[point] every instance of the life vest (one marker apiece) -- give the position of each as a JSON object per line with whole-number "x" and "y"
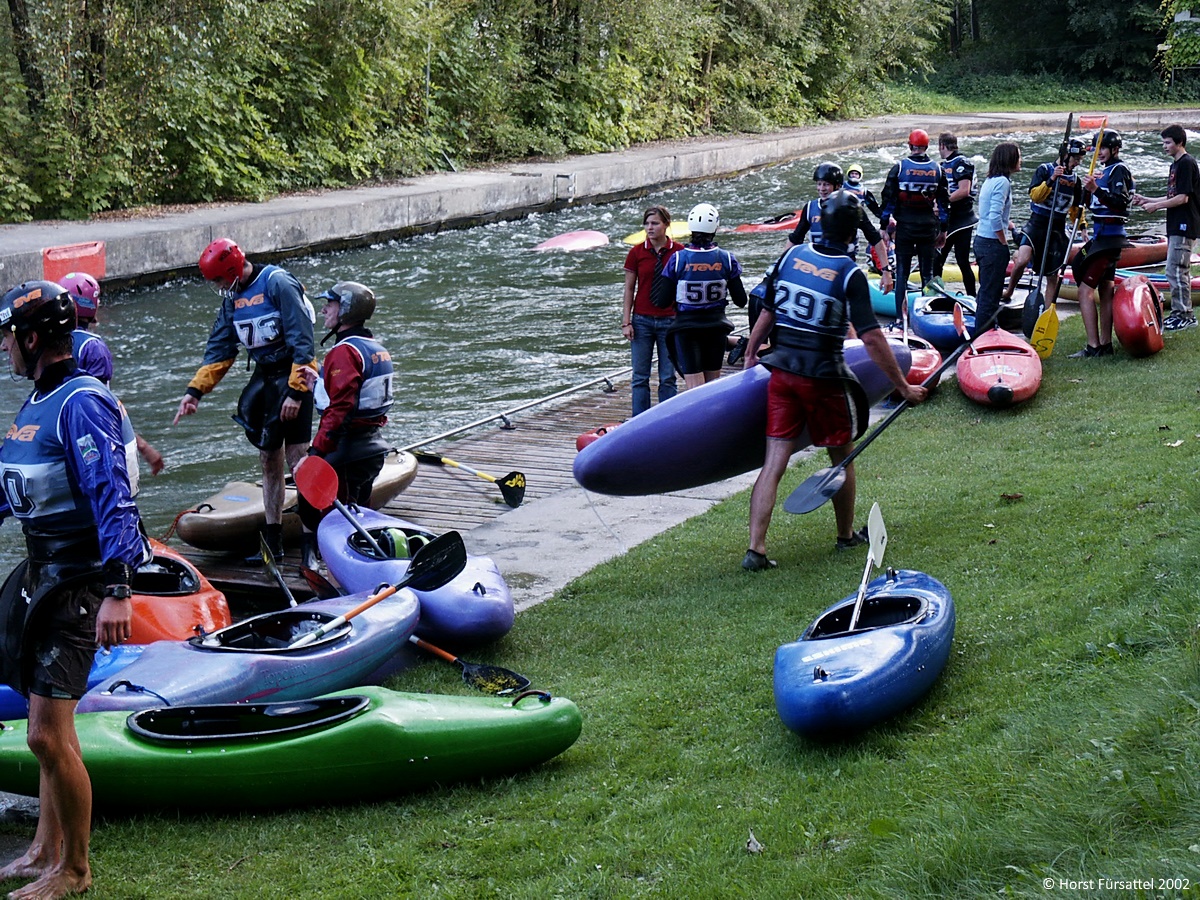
{"x": 702, "y": 278}
{"x": 918, "y": 184}
{"x": 257, "y": 321}
{"x": 1066, "y": 192}
{"x": 1107, "y": 221}
{"x": 375, "y": 394}
{"x": 959, "y": 168}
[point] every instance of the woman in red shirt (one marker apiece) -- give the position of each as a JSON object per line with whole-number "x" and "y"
{"x": 642, "y": 323}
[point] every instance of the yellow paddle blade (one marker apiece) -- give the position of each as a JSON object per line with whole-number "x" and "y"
{"x": 1045, "y": 332}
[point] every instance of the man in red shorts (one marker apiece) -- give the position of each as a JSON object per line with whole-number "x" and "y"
{"x": 814, "y": 292}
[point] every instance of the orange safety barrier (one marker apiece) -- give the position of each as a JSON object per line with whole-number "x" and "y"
{"x": 86, "y": 257}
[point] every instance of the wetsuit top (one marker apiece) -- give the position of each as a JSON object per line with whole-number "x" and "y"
{"x": 92, "y": 354}
{"x": 63, "y": 466}
{"x": 704, "y": 280}
{"x": 1041, "y": 194}
{"x": 865, "y": 196}
{"x": 816, "y": 291}
{"x": 958, "y": 168}
{"x": 810, "y": 223}
{"x": 355, "y": 390}
{"x": 272, "y": 319}
{"x": 915, "y": 193}
{"x": 94, "y": 358}
{"x": 1110, "y": 204}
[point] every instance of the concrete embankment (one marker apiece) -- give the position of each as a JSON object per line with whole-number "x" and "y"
{"x": 157, "y": 246}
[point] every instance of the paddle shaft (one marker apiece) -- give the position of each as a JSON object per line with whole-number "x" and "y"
{"x": 1037, "y": 292}
{"x": 512, "y": 486}
{"x": 269, "y": 561}
{"x": 436, "y": 651}
{"x": 358, "y": 526}
{"x": 1091, "y": 171}
{"x": 314, "y": 636}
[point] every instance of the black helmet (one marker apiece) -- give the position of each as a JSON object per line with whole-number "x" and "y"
{"x": 43, "y": 308}
{"x": 1073, "y": 147}
{"x": 356, "y": 302}
{"x": 1111, "y": 140}
{"x": 841, "y": 214}
{"x": 828, "y": 172}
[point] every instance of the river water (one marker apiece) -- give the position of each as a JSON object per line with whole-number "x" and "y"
{"x": 475, "y": 320}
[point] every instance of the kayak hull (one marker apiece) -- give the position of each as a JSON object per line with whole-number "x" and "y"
{"x": 1001, "y": 369}
{"x": 172, "y": 673}
{"x": 173, "y": 601}
{"x": 932, "y": 318}
{"x": 1137, "y": 317}
{"x": 474, "y": 607}
{"x": 832, "y": 683}
{"x": 703, "y": 435}
{"x": 574, "y": 240}
{"x": 391, "y": 744}
{"x": 232, "y": 518}
{"x": 779, "y": 223}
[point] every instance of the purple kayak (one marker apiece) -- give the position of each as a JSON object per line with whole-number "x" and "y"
{"x": 474, "y": 607}
{"x": 704, "y": 435}
{"x": 251, "y": 661}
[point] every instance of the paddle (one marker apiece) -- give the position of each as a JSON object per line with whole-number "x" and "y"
{"x": 512, "y": 485}
{"x": 1045, "y": 326}
{"x": 269, "y": 561}
{"x": 431, "y": 567}
{"x": 483, "y": 677}
{"x": 878, "y": 534}
{"x": 815, "y": 490}
{"x": 317, "y": 482}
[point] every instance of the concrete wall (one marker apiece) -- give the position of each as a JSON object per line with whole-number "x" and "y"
{"x": 160, "y": 246}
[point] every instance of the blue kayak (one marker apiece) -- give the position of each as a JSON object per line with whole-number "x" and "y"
{"x": 933, "y": 319}
{"x": 832, "y": 683}
{"x": 703, "y": 435}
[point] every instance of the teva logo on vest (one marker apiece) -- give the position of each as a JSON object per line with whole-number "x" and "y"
{"x": 808, "y": 268}
{"x": 704, "y": 267}
{"x": 243, "y": 302}
{"x": 25, "y": 433}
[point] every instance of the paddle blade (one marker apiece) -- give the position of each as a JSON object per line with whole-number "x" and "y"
{"x": 492, "y": 679}
{"x": 815, "y": 491}
{"x": 877, "y": 532}
{"x": 436, "y": 563}
{"x": 1035, "y": 305}
{"x": 960, "y": 321}
{"x": 319, "y": 584}
{"x": 512, "y": 488}
{"x": 1045, "y": 332}
{"x": 430, "y": 459}
{"x": 316, "y": 481}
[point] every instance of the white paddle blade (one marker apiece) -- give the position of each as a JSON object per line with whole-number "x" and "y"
{"x": 877, "y": 532}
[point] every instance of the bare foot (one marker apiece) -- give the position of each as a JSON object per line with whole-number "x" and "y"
{"x": 23, "y": 867}
{"x": 53, "y": 885}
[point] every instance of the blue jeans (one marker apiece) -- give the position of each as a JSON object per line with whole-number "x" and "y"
{"x": 992, "y": 258}
{"x": 650, "y": 332}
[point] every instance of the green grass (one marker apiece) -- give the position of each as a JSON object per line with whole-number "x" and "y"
{"x": 1062, "y": 741}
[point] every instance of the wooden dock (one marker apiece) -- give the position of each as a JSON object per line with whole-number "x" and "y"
{"x": 539, "y": 442}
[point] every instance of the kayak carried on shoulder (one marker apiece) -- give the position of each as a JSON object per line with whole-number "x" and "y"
{"x": 362, "y": 744}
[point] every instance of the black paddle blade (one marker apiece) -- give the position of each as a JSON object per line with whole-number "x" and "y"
{"x": 319, "y": 584}
{"x": 436, "y": 563}
{"x": 815, "y": 491}
{"x": 430, "y": 459}
{"x": 492, "y": 679}
{"x": 512, "y": 488}
{"x": 1035, "y": 305}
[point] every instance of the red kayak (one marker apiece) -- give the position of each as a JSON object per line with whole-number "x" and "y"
{"x": 1137, "y": 317}
{"x": 785, "y": 222}
{"x": 594, "y": 435}
{"x": 1000, "y": 369}
{"x": 173, "y": 601}
{"x": 925, "y": 357}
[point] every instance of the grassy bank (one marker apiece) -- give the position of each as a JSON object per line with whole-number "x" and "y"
{"x": 1061, "y": 742}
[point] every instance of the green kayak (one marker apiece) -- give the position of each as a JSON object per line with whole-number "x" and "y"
{"x": 363, "y": 743}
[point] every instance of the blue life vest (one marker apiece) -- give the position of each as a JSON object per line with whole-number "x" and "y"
{"x": 1064, "y": 199}
{"x": 375, "y": 395}
{"x": 37, "y": 480}
{"x": 1108, "y": 222}
{"x": 701, "y": 278}
{"x": 812, "y": 212}
{"x": 918, "y": 183}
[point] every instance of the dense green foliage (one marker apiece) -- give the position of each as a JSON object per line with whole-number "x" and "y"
{"x": 132, "y": 102}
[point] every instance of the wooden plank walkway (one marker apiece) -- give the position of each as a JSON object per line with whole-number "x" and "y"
{"x": 540, "y": 443}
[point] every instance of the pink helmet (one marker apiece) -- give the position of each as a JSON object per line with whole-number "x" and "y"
{"x": 85, "y": 291}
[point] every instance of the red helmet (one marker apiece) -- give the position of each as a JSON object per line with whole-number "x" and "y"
{"x": 222, "y": 261}
{"x": 85, "y": 291}
{"x": 918, "y": 138}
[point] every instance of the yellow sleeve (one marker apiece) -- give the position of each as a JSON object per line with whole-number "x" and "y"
{"x": 207, "y": 377}
{"x": 1041, "y": 193}
{"x": 297, "y": 380}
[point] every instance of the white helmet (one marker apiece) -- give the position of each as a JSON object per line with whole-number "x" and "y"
{"x": 704, "y": 219}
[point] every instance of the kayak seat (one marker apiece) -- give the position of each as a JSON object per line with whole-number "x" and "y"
{"x": 164, "y": 577}
{"x": 876, "y": 613}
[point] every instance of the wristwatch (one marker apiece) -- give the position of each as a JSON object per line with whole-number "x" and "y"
{"x": 118, "y": 591}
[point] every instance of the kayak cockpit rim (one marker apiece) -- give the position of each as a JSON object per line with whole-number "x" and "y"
{"x": 383, "y": 540}
{"x": 274, "y": 633}
{"x": 165, "y": 577}
{"x": 879, "y": 611}
{"x": 228, "y": 722}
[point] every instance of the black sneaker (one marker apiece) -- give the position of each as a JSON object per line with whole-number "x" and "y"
{"x": 857, "y": 539}
{"x": 1179, "y": 321}
{"x": 1105, "y": 350}
{"x": 738, "y": 352}
{"x": 1088, "y": 352}
{"x": 757, "y": 562}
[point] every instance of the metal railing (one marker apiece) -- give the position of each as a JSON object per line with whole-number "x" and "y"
{"x": 607, "y": 380}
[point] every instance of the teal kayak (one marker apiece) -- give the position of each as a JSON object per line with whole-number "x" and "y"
{"x": 360, "y": 744}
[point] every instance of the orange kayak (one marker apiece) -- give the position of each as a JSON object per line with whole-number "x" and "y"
{"x": 172, "y": 600}
{"x": 1000, "y": 369}
{"x": 1137, "y": 317}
